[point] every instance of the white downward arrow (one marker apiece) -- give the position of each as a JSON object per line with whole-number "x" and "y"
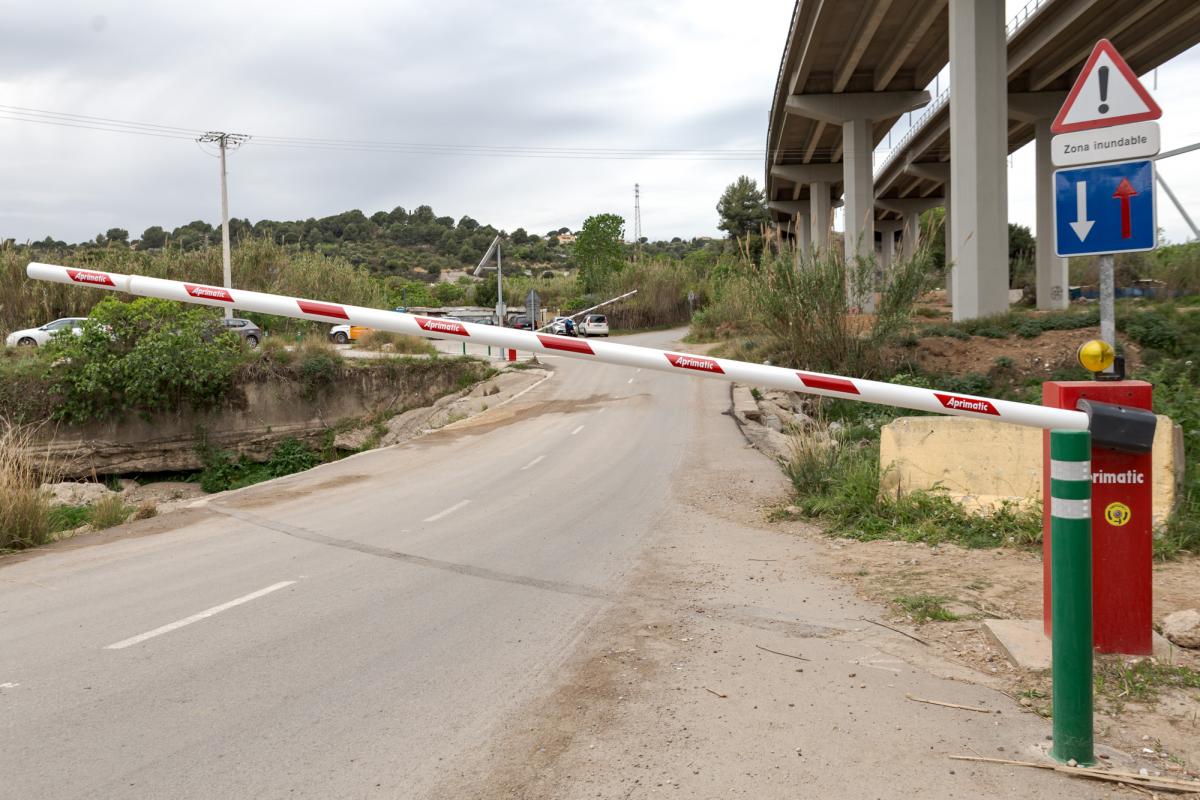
{"x": 1082, "y": 226}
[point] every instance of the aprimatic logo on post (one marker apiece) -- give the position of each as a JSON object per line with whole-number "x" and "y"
{"x": 1106, "y": 93}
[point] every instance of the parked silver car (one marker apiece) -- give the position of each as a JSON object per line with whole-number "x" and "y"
{"x": 35, "y": 337}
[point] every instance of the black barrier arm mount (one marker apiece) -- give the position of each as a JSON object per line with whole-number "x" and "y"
{"x": 1130, "y": 430}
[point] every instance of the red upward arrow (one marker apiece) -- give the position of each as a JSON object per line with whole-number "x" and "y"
{"x": 1125, "y": 191}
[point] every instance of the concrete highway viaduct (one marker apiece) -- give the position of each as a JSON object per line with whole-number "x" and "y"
{"x": 850, "y": 70}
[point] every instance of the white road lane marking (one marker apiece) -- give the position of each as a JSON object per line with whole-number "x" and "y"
{"x": 629, "y": 381}
{"x": 9, "y": 685}
{"x": 448, "y": 511}
{"x": 532, "y": 463}
{"x": 577, "y": 430}
{"x": 601, "y": 411}
{"x": 121, "y": 645}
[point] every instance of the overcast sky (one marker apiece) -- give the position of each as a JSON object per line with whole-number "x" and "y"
{"x": 617, "y": 74}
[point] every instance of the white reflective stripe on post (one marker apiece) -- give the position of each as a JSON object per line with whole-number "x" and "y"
{"x": 790, "y": 380}
{"x": 1070, "y": 509}
{"x": 1071, "y": 470}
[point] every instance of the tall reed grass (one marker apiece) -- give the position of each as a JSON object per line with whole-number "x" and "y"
{"x": 797, "y": 311}
{"x": 257, "y": 264}
{"x": 25, "y": 516}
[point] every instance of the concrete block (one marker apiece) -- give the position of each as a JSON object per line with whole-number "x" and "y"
{"x": 981, "y": 463}
{"x": 744, "y": 403}
{"x": 1024, "y": 643}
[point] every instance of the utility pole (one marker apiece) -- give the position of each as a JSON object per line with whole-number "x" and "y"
{"x": 637, "y": 219}
{"x": 225, "y": 141}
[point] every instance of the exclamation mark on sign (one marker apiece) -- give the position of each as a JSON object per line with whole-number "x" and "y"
{"x": 1103, "y": 74}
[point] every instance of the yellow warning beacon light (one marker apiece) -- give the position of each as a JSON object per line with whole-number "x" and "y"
{"x": 1096, "y": 355}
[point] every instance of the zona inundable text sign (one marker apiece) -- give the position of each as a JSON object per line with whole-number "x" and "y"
{"x": 1118, "y": 143}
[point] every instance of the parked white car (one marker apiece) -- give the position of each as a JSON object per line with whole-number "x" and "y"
{"x": 594, "y": 325}
{"x": 36, "y": 337}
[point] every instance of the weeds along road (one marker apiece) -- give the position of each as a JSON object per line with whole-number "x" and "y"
{"x": 536, "y": 602}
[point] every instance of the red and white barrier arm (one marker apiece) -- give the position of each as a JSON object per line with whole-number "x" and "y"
{"x": 606, "y": 352}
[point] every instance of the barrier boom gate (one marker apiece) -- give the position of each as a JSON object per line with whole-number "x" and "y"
{"x": 888, "y": 394}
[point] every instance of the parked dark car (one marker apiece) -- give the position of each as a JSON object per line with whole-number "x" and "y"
{"x": 520, "y": 323}
{"x": 251, "y": 334}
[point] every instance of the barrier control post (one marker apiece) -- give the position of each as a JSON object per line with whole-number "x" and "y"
{"x": 1122, "y": 501}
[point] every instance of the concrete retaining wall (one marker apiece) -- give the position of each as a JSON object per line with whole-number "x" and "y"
{"x": 264, "y": 413}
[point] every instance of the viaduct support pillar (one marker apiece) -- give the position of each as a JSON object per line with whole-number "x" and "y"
{"x": 855, "y": 113}
{"x": 1052, "y": 288}
{"x": 978, "y": 158}
{"x": 911, "y": 236}
{"x": 860, "y": 213}
{"x": 818, "y": 196}
{"x": 887, "y": 244}
{"x": 803, "y": 236}
{"x": 1039, "y": 109}
{"x": 910, "y": 208}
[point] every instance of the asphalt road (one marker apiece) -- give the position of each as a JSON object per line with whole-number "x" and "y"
{"x": 348, "y": 632}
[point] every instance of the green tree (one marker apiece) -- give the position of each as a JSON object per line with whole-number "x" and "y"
{"x": 1022, "y": 248}
{"x": 598, "y": 250}
{"x": 485, "y": 293}
{"x": 933, "y": 236}
{"x": 742, "y": 208}
{"x": 154, "y": 236}
{"x": 447, "y": 293}
{"x": 117, "y": 236}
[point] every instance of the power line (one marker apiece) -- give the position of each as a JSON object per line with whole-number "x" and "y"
{"x": 112, "y": 125}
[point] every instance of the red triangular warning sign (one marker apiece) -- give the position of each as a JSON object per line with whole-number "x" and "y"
{"x": 1105, "y": 93}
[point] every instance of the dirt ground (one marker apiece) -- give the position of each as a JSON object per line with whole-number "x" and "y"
{"x": 1007, "y": 584}
{"x": 1040, "y": 357}
{"x": 750, "y": 658}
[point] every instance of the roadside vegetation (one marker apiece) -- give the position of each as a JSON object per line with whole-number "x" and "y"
{"x": 25, "y": 515}
{"x": 776, "y": 310}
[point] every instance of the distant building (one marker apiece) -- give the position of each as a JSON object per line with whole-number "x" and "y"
{"x": 566, "y": 238}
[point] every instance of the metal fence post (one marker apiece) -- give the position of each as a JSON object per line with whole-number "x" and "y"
{"x": 1071, "y": 598}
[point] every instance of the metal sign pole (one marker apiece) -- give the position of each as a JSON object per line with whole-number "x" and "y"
{"x": 1108, "y": 322}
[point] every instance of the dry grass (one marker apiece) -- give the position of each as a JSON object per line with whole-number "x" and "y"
{"x": 400, "y": 343}
{"x": 25, "y": 519}
{"x": 109, "y": 512}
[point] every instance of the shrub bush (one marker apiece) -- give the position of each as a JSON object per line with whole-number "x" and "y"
{"x": 223, "y": 472}
{"x": 148, "y": 355}
{"x": 317, "y": 366}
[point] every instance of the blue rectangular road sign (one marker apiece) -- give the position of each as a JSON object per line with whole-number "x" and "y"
{"x": 1108, "y": 208}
